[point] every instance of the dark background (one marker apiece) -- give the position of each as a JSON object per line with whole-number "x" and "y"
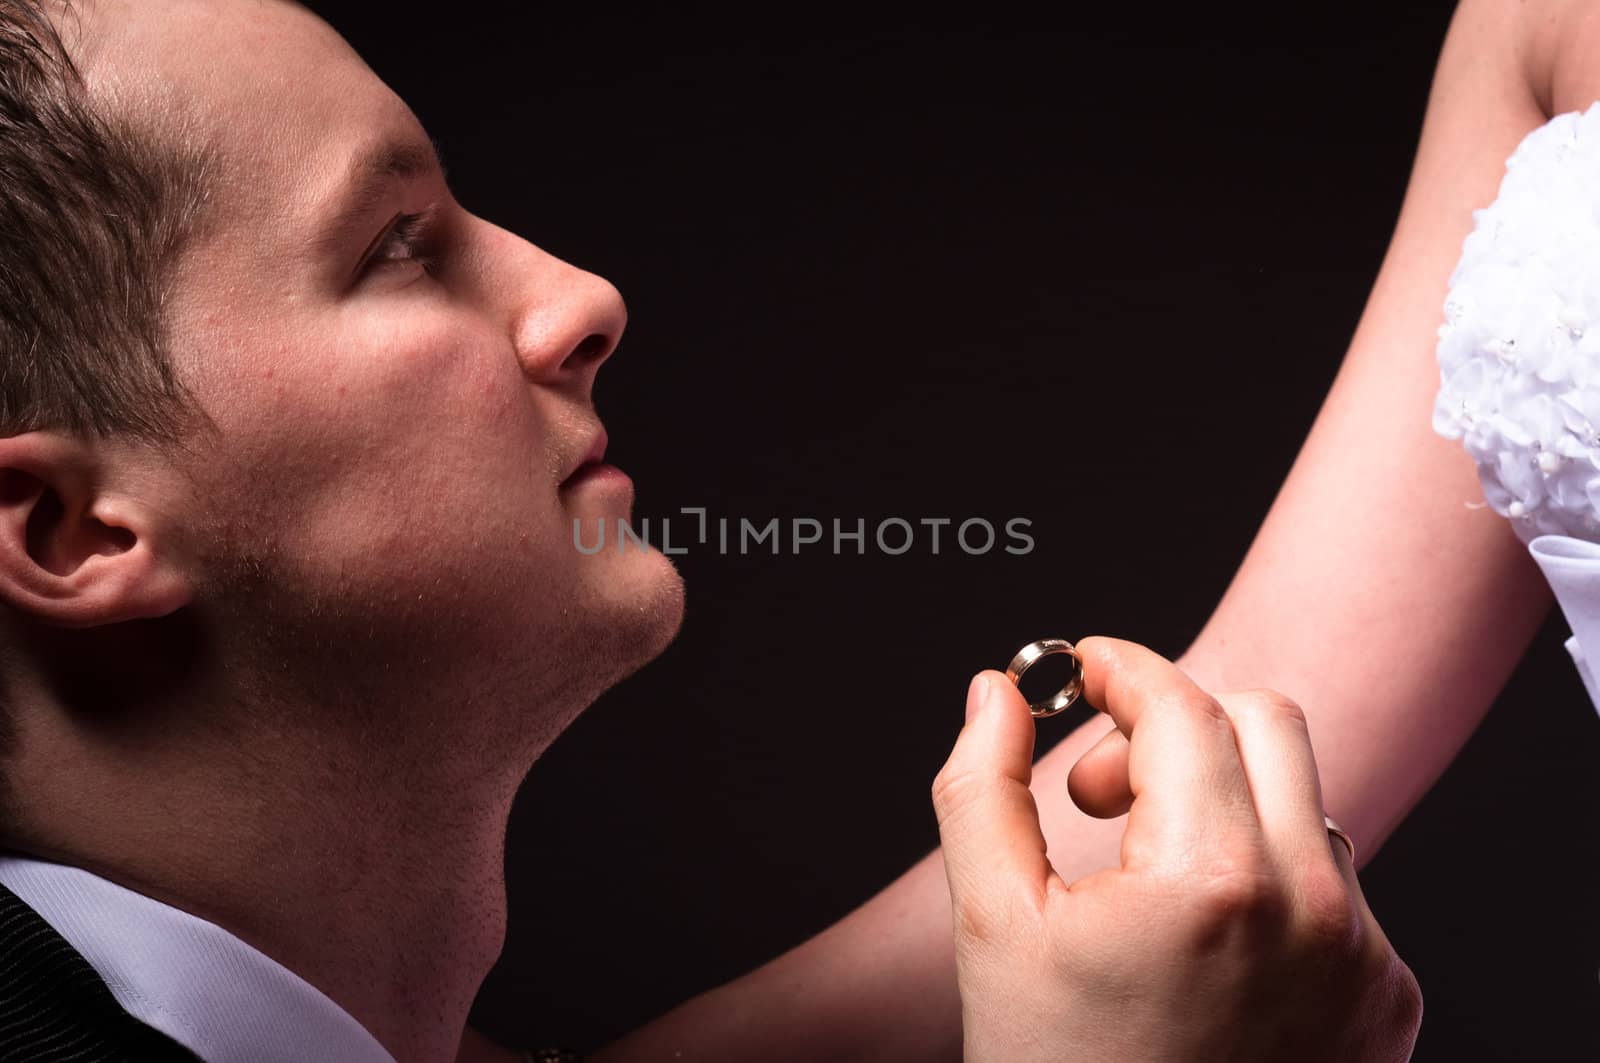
{"x": 1098, "y": 274}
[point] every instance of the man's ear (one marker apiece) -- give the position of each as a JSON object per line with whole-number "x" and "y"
{"x": 76, "y": 548}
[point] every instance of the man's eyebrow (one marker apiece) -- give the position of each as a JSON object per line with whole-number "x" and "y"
{"x": 371, "y": 176}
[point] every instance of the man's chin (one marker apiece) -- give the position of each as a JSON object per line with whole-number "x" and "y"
{"x": 620, "y": 618}
{"x": 641, "y": 611}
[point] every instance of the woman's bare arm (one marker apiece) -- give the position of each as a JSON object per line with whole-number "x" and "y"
{"x": 1373, "y": 595}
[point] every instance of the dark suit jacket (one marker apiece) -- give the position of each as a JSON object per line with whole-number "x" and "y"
{"x": 54, "y": 1008}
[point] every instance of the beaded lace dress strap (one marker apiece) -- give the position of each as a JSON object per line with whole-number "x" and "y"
{"x": 1519, "y": 363}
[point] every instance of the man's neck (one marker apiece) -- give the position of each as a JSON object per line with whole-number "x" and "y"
{"x": 382, "y": 884}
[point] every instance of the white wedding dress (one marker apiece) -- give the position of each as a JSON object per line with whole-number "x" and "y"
{"x": 1519, "y": 363}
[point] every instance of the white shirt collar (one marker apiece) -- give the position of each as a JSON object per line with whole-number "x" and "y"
{"x": 219, "y": 997}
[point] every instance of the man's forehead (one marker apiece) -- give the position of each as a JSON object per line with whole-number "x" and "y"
{"x": 265, "y": 84}
{"x": 180, "y": 40}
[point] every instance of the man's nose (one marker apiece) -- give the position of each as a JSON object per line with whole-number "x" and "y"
{"x": 568, "y": 322}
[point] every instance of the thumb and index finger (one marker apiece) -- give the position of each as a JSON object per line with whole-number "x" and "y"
{"x": 1184, "y": 770}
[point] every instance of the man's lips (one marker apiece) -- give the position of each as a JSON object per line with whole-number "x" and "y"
{"x": 591, "y": 457}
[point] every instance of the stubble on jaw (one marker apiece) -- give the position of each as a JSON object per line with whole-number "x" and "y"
{"x": 372, "y": 660}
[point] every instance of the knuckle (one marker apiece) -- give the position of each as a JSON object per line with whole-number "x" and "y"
{"x": 1244, "y": 898}
{"x": 1393, "y": 996}
{"x": 1406, "y": 997}
{"x": 953, "y": 790}
{"x": 1002, "y": 920}
{"x": 976, "y": 925}
{"x": 1268, "y": 704}
{"x": 1329, "y": 924}
{"x": 1181, "y": 703}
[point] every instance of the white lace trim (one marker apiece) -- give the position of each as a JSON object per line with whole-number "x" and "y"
{"x": 1519, "y": 352}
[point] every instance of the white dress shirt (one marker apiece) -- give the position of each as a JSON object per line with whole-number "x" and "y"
{"x": 221, "y": 998}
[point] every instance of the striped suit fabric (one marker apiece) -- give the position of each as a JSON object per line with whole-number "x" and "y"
{"x": 54, "y": 1008}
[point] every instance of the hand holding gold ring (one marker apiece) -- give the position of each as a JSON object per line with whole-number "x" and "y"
{"x": 1033, "y": 652}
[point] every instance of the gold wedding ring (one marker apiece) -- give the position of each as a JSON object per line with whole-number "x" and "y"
{"x": 1336, "y": 831}
{"x": 1030, "y": 655}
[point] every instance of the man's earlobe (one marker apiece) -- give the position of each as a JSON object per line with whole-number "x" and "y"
{"x": 75, "y": 549}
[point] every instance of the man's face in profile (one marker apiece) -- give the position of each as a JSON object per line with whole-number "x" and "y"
{"x": 401, "y": 390}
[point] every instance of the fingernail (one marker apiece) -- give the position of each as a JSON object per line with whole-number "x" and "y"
{"x": 977, "y": 694}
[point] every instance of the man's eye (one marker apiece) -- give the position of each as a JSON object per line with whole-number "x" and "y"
{"x": 403, "y": 243}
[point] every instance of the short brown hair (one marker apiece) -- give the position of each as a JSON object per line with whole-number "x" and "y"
{"x": 94, "y": 208}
